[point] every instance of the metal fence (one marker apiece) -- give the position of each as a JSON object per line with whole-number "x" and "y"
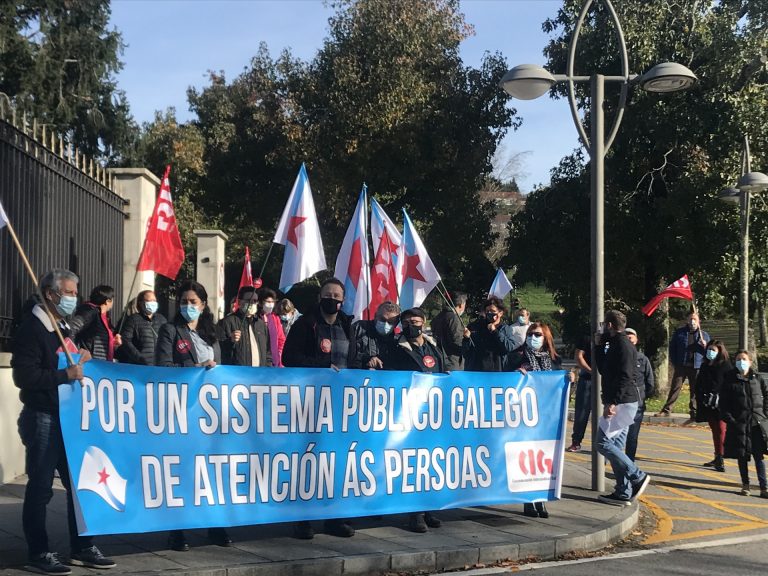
{"x": 64, "y": 217}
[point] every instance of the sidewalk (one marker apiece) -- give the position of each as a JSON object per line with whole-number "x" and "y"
{"x": 382, "y": 545}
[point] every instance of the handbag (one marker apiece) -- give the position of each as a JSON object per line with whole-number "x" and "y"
{"x": 711, "y": 400}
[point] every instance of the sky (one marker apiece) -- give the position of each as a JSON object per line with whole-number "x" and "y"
{"x": 171, "y": 44}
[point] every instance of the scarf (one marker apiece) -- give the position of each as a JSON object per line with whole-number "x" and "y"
{"x": 538, "y": 360}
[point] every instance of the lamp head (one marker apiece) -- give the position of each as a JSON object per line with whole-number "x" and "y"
{"x": 667, "y": 77}
{"x": 753, "y": 182}
{"x": 730, "y": 195}
{"x": 527, "y": 81}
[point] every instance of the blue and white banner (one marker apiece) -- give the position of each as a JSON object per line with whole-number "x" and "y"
{"x": 165, "y": 448}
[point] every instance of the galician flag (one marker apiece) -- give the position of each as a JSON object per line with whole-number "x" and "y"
{"x": 299, "y": 231}
{"x": 353, "y": 261}
{"x": 98, "y": 474}
{"x": 501, "y": 285}
{"x": 385, "y": 277}
{"x": 419, "y": 274}
{"x": 3, "y": 217}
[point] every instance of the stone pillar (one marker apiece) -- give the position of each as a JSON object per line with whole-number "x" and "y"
{"x": 210, "y": 268}
{"x": 139, "y": 186}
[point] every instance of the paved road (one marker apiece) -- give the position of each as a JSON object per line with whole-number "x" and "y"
{"x": 690, "y": 502}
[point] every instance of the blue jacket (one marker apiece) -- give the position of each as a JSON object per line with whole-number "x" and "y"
{"x": 679, "y": 343}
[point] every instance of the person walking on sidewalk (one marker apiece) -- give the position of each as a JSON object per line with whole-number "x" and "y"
{"x": 583, "y": 408}
{"x": 744, "y": 407}
{"x": 709, "y": 383}
{"x": 645, "y": 386}
{"x": 686, "y": 352}
{"x": 37, "y": 374}
{"x": 616, "y": 360}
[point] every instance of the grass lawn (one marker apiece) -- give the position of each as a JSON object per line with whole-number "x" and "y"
{"x": 653, "y": 405}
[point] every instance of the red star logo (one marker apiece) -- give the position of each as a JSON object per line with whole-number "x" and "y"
{"x": 295, "y": 222}
{"x": 355, "y": 263}
{"x": 103, "y": 476}
{"x": 411, "y": 268}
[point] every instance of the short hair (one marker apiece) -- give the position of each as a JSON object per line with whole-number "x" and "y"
{"x": 386, "y": 307}
{"x": 415, "y": 312}
{"x": 265, "y": 293}
{"x": 617, "y": 319}
{"x": 101, "y": 294}
{"x": 52, "y": 280}
{"x": 521, "y": 310}
{"x": 459, "y": 298}
{"x": 285, "y": 305}
{"x": 244, "y": 291}
{"x": 334, "y": 281}
{"x": 494, "y": 301}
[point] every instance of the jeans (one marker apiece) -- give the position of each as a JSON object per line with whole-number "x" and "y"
{"x": 633, "y": 433}
{"x": 625, "y": 471}
{"x": 582, "y": 410}
{"x": 41, "y": 434}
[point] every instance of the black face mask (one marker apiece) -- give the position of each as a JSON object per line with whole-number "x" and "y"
{"x": 490, "y": 318}
{"x": 411, "y": 332}
{"x": 330, "y": 305}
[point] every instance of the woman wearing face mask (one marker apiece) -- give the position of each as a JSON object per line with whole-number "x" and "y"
{"x": 538, "y": 354}
{"x": 288, "y": 314}
{"x": 140, "y": 331}
{"x": 267, "y": 299}
{"x": 92, "y": 327}
{"x": 375, "y": 339}
{"x": 744, "y": 408}
{"x": 488, "y": 340}
{"x": 190, "y": 340}
{"x": 709, "y": 382}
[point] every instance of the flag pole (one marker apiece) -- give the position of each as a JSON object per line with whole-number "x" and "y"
{"x": 264, "y": 265}
{"x": 367, "y": 264}
{"x": 449, "y": 301}
{"x": 43, "y": 304}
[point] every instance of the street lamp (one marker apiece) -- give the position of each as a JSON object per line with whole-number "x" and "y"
{"x": 749, "y": 183}
{"x": 529, "y": 81}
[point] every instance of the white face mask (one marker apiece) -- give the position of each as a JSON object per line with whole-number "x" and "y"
{"x": 268, "y": 308}
{"x": 252, "y": 309}
{"x": 285, "y": 317}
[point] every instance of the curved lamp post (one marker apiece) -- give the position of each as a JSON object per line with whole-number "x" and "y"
{"x": 529, "y": 81}
{"x": 749, "y": 183}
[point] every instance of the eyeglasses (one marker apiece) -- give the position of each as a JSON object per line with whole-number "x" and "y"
{"x": 539, "y": 334}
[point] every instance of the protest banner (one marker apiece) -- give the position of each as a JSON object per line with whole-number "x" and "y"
{"x": 153, "y": 448}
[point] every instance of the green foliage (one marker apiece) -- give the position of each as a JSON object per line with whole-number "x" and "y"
{"x": 57, "y": 64}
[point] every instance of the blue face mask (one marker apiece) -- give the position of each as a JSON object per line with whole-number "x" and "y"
{"x": 383, "y": 328}
{"x": 522, "y": 320}
{"x": 66, "y": 305}
{"x": 535, "y": 342}
{"x": 190, "y": 312}
{"x": 150, "y": 307}
{"x": 743, "y": 366}
{"x": 711, "y": 354}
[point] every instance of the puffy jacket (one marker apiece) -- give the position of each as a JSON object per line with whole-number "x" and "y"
{"x": 678, "y": 345}
{"x": 709, "y": 381}
{"x": 743, "y": 405}
{"x": 370, "y": 344}
{"x": 139, "y": 335}
{"x": 616, "y": 360}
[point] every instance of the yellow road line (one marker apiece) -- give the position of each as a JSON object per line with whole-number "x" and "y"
{"x": 712, "y": 520}
{"x": 664, "y": 522}
{"x": 717, "y": 505}
{"x": 705, "y": 533}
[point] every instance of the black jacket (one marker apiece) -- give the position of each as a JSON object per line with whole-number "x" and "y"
{"x": 743, "y": 406}
{"x": 448, "y": 331}
{"x": 370, "y": 344}
{"x": 616, "y": 360}
{"x": 175, "y": 347}
{"x": 405, "y": 357}
{"x": 89, "y": 331}
{"x": 644, "y": 378}
{"x": 488, "y": 351}
{"x": 139, "y": 335}
{"x": 239, "y": 353}
{"x": 301, "y": 346}
{"x": 35, "y": 363}
{"x": 709, "y": 381}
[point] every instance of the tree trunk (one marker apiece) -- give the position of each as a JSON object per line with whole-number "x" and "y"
{"x": 762, "y": 322}
{"x": 660, "y": 360}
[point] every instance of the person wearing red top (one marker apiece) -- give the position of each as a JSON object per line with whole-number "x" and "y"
{"x": 267, "y": 299}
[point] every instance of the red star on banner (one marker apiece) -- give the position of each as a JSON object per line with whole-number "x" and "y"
{"x": 355, "y": 263}
{"x": 295, "y": 222}
{"x": 411, "y": 268}
{"x": 103, "y": 476}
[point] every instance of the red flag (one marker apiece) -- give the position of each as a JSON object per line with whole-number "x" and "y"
{"x": 678, "y": 289}
{"x": 163, "y": 252}
{"x": 246, "y": 278}
{"x": 384, "y": 276}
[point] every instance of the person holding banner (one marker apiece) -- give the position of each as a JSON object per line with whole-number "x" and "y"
{"x": 323, "y": 338}
{"x": 488, "y": 340}
{"x": 92, "y": 327}
{"x": 243, "y": 335}
{"x": 375, "y": 339}
{"x": 267, "y": 299}
{"x": 36, "y": 372}
{"x": 537, "y": 354}
{"x": 417, "y": 352}
{"x": 140, "y": 331}
{"x": 190, "y": 340}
